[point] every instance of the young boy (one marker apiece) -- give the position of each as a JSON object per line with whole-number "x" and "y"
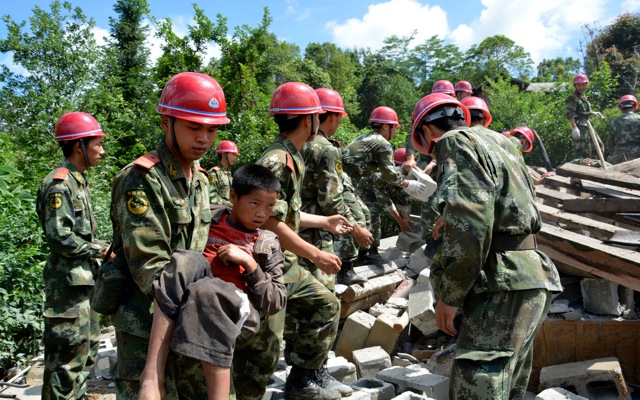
{"x": 201, "y": 309}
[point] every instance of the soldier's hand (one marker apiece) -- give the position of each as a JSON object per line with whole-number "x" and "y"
{"x": 404, "y": 225}
{"x": 435, "y": 231}
{"x": 430, "y": 167}
{"x": 338, "y": 225}
{"x": 409, "y": 164}
{"x": 444, "y": 317}
{"x": 327, "y": 262}
{"x": 597, "y": 114}
{"x": 362, "y": 236}
{"x": 575, "y": 133}
{"x": 104, "y": 254}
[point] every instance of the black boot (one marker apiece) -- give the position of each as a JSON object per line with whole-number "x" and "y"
{"x": 305, "y": 383}
{"x": 347, "y": 276}
{"x": 329, "y": 382}
{"x": 369, "y": 257}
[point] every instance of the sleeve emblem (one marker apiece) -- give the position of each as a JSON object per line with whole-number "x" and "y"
{"x": 137, "y": 202}
{"x": 339, "y": 166}
{"x": 55, "y": 200}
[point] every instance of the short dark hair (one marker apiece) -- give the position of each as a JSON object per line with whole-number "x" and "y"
{"x": 67, "y": 146}
{"x": 376, "y": 126}
{"x": 288, "y": 122}
{"x": 252, "y": 177}
{"x": 324, "y": 116}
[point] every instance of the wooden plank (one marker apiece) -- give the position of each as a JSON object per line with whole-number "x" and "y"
{"x": 602, "y": 206}
{"x": 560, "y": 342}
{"x": 618, "y": 265}
{"x": 594, "y": 174}
{"x": 629, "y": 167}
{"x": 624, "y": 237}
{"x": 590, "y": 188}
{"x": 574, "y": 222}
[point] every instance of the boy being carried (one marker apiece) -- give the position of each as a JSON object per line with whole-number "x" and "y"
{"x": 202, "y": 310}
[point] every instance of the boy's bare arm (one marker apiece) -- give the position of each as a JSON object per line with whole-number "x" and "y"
{"x": 152, "y": 378}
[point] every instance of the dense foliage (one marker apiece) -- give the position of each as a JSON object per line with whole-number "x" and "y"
{"x": 65, "y": 70}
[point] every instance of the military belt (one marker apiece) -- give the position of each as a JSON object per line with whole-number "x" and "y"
{"x": 501, "y": 242}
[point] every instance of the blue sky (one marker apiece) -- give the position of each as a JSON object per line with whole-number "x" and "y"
{"x": 545, "y": 28}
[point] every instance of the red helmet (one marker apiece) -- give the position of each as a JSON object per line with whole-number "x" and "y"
{"x": 443, "y": 86}
{"x": 527, "y": 134}
{"x": 76, "y": 125}
{"x": 628, "y": 101}
{"x": 580, "y": 78}
{"x": 476, "y": 103}
{"x": 227, "y": 146}
{"x": 400, "y": 156}
{"x": 195, "y": 97}
{"x": 331, "y": 101}
{"x": 295, "y": 98}
{"x": 384, "y": 115}
{"x": 464, "y": 86}
{"x": 420, "y": 113}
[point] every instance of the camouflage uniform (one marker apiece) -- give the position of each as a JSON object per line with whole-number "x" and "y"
{"x": 322, "y": 194}
{"x": 367, "y": 154}
{"x": 345, "y": 246}
{"x": 488, "y": 264}
{"x": 624, "y": 139}
{"x": 155, "y": 210}
{"x": 579, "y": 108}
{"x": 315, "y": 310}
{"x": 220, "y": 180}
{"x": 71, "y": 328}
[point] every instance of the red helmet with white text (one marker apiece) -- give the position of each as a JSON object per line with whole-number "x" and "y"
{"x": 528, "y": 137}
{"x": 295, "y": 98}
{"x": 77, "y": 125}
{"x": 331, "y": 101}
{"x": 227, "y": 146}
{"x": 400, "y": 156}
{"x": 628, "y": 101}
{"x": 194, "y": 97}
{"x": 580, "y": 78}
{"x": 421, "y": 114}
{"x": 464, "y": 86}
{"x": 477, "y": 105}
{"x": 443, "y": 86}
{"x": 384, "y": 115}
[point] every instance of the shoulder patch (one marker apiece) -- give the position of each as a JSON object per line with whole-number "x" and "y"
{"x": 61, "y": 174}
{"x": 147, "y": 161}
{"x": 290, "y": 163}
{"x": 137, "y": 203}
{"x": 204, "y": 171}
{"x": 217, "y": 168}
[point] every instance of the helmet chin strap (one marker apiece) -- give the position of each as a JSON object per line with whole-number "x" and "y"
{"x": 173, "y": 135}
{"x": 84, "y": 152}
{"x": 313, "y": 126}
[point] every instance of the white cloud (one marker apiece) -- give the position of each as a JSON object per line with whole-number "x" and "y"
{"x": 100, "y": 35}
{"x": 393, "y": 17}
{"x": 631, "y": 5}
{"x": 544, "y": 28}
{"x": 294, "y": 11}
{"x": 6, "y": 59}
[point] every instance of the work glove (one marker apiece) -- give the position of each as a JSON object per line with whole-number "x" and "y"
{"x": 575, "y": 133}
{"x": 597, "y": 114}
{"x": 420, "y": 191}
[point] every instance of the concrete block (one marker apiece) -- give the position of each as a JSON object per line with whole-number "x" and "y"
{"x": 600, "y": 296}
{"x": 421, "y": 309}
{"x": 409, "y": 241}
{"x": 370, "y": 360}
{"x": 627, "y": 298}
{"x": 558, "y": 394}
{"x": 411, "y": 396}
{"x": 104, "y": 361}
{"x": 400, "y": 362}
{"x": 378, "y": 309}
{"x": 559, "y": 307}
{"x": 573, "y": 315}
{"x": 273, "y": 394}
{"x": 418, "y": 260}
{"x": 424, "y": 275}
{"x": 376, "y": 389}
{"x": 359, "y": 395}
{"x": 419, "y": 379}
{"x": 354, "y": 333}
{"x": 594, "y": 379}
{"x": 278, "y": 379}
{"x": 440, "y": 362}
{"x": 383, "y": 333}
{"x": 341, "y": 369}
{"x": 400, "y": 303}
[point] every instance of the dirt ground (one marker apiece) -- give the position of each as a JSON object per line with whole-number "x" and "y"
{"x": 98, "y": 389}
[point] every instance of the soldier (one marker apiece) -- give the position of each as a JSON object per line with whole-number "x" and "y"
{"x": 488, "y": 264}
{"x": 159, "y": 204}
{"x": 624, "y": 140}
{"x": 463, "y": 90}
{"x": 370, "y": 153}
{"x": 578, "y": 112}
{"x": 444, "y": 86}
{"x": 71, "y": 328}
{"x": 220, "y": 177}
{"x": 322, "y": 189}
{"x": 312, "y": 311}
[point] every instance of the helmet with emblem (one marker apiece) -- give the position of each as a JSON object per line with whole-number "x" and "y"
{"x": 295, "y": 98}
{"x": 422, "y": 114}
{"x": 331, "y": 101}
{"x": 227, "y": 146}
{"x": 77, "y": 125}
{"x": 580, "y": 78}
{"x": 478, "y": 109}
{"x": 443, "y": 86}
{"x": 464, "y": 86}
{"x": 194, "y": 97}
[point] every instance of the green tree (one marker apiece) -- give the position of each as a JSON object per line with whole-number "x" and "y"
{"x": 496, "y": 56}
{"x": 434, "y": 60}
{"x": 558, "y": 69}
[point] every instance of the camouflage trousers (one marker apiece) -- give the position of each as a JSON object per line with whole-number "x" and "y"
{"x": 71, "y": 342}
{"x": 322, "y": 240}
{"x": 315, "y": 313}
{"x": 584, "y": 147}
{"x": 345, "y": 246}
{"x": 494, "y": 352}
{"x": 132, "y": 355}
{"x": 428, "y": 216}
{"x": 375, "y": 211}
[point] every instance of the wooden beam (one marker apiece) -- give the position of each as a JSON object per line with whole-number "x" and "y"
{"x": 616, "y": 264}
{"x": 574, "y": 222}
{"x": 597, "y": 175}
{"x": 629, "y": 167}
{"x": 602, "y": 206}
{"x": 590, "y": 188}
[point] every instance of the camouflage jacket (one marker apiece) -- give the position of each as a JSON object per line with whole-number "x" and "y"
{"x": 64, "y": 210}
{"x": 155, "y": 210}
{"x": 284, "y": 159}
{"x": 579, "y": 108}
{"x": 371, "y": 153}
{"x": 322, "y": 186}
{"x": 356, "y": 206}
{"x": 390, "y": 197}
{"x": 485, "y": 194}
{"x": 624, "y": 139}
{"x": 220, "y": 185}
